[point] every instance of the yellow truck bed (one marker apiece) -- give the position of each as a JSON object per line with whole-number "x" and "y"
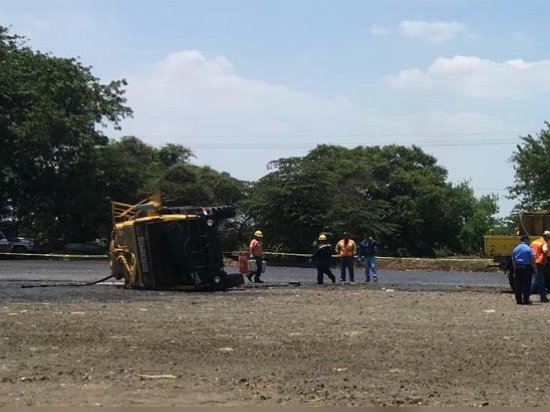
{"x": 501, "y": 245}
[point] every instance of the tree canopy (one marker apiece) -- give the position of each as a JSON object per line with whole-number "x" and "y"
{"x": 49, "y": 110}
{"x": 396, "y": 193}
{"x": 532, "y": 180}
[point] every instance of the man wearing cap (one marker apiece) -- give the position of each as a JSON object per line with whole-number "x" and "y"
{"x": 540, "y": 248}
{"x": 322, "y": 257}
{"x": 523, "y": 261}
{"x": 346, "y": 249}
{"x": 256, "y": 253}
{"x": 367, "y": 251}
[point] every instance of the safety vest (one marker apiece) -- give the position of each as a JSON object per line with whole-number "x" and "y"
{"x": 537, "y": 246}
{"x": 256, "y": 248}
{"x": 346, "y": 250}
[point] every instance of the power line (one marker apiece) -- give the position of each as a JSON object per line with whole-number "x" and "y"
{"x": 329, "y": 135}
{"x": 270, "y": 146}
{"x": 491, "y": 189}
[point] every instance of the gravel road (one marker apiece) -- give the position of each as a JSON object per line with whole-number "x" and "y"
{"x": 413, "y": 338}
{"x": 15, "y": 273}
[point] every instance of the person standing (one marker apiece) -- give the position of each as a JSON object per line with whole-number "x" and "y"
{"x": 367, "y": 251}
{"x": 540, "y": 248}
{"x": 322, "y": 257}
{"x": 523, "y": 261}
{"x": 346, "y": 249}
{"x": 257, "y": 254}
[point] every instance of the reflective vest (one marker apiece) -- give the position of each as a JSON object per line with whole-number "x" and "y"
{"x": 539, "y": 249}
{"x": 346, "y": 250}
{"x": 256, "y": 248}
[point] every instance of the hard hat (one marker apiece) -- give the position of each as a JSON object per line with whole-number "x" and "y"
{"x": 322, "y": 237}
{"x": 258, "y": 233}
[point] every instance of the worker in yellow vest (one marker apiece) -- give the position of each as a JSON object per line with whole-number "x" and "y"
{"x": 346, "y": 250}
{"x": 540, "y": 248}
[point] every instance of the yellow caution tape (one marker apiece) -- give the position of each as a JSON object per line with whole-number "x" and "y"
{"x": 74, "y": 256}
{"x": 55, "y": 255}
{"x": 377, "y": 257}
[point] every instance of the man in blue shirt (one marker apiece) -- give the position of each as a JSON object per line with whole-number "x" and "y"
{"x": 523, "y": 260}
{"x": 367, "y": 252}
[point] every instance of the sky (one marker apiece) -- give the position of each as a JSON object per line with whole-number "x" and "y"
{"x": 244, "y": 82}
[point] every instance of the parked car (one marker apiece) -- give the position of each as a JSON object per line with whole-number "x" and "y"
{"x": 16, "y": 244}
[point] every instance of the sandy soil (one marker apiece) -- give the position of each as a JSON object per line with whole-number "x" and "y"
{"x": 326, "y": 345}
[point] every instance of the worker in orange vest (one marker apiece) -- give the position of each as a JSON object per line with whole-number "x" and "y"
{"x": 257, "y": 253}
{"x": 540, "y": 248}
{"x": 346, "y": 249}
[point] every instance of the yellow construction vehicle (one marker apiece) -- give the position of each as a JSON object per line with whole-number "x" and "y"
{"x": 499, "y": 247}
{"x": 169, "y": 248}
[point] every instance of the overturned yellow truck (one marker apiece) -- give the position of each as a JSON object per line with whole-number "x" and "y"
{"x": 499, "y": 247}
{"x": 169, "y": 248}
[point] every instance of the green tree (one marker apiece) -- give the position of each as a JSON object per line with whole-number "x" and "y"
{"x": 127, "y": 167}
{"x": 532, "y": 180}
{"x": 397, "y": 193}
{"x": 480, "y": 219}
{"x": 50, "y": 108}
{"x": 172, "y": 154}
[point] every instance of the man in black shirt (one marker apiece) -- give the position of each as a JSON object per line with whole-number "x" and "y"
{"x": 322, "y": 258}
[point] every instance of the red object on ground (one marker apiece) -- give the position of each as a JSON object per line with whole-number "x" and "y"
{"x": 243, "y": 263}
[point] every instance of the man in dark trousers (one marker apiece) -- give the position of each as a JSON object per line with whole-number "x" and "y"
{"x": 322, "y": 257}
{"x": 346, "y": 249}
{"x": 523, "y": 260}
{"x": 540, "y": 248}
{"x": 257, "y": 253}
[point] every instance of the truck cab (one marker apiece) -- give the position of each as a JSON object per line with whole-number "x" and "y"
{"x": 169, "y": 248}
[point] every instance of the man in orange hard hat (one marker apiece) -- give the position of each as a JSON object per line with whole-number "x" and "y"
{"x": 540, "y": 248}
{"x": 257, "y": 253}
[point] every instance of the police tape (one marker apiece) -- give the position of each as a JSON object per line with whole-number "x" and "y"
{"x": 54, "y": 255}
{"x": 237, "y": 253}
{"x": 394, "y": 258}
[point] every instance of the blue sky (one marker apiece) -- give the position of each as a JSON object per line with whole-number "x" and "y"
{"x": 246, "y": 82}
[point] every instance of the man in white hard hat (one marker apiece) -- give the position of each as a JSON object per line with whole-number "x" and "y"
{"x": 257, "y": 253}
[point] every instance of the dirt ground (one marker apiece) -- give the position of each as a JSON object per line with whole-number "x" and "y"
{"x": 444, "y": 264}
{"x": 325, "y": 345}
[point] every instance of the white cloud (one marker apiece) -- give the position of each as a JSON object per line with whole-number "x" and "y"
{"x": 35, "y": 27}
{"x": 202, "y": 102}
{"x": 434, "y": 31}
{"x": 379, "y": 30}
{"x": 187, "y": 93}
{"x": 475, "y": 77}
